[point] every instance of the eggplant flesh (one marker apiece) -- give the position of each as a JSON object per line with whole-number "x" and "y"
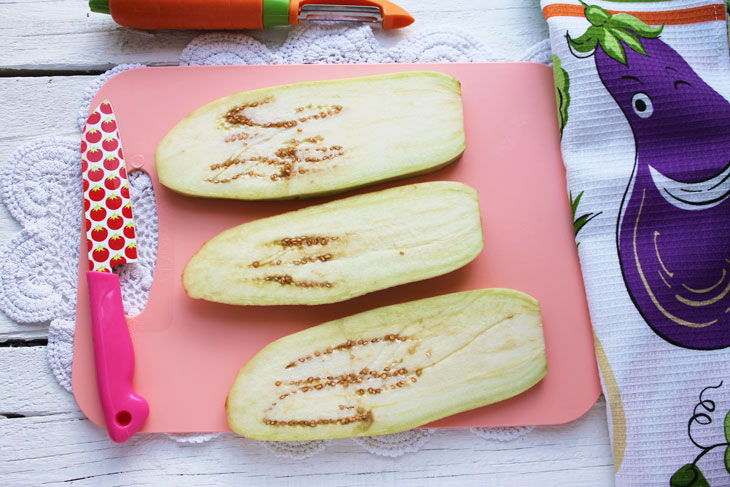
{"x": 342, "y": 249}
{"x": 392, "y": 368}
{"x": 314, "y": 138}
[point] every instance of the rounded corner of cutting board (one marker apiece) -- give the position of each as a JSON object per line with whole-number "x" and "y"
{"x": 120, "y": 77}
{"x": 581, "y": 408}
{"x": 117, "y": 78}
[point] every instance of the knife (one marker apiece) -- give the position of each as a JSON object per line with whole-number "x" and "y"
{"x": 247, "y": 14}
{"x": 111, "y": 240}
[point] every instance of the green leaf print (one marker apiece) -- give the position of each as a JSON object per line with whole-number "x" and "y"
{"x": 688, "y": 476}
{"x": 580, "y": 222}
{"x": 587, "y": 42}
{"x": 610, "y": 43}
{"x": 562, "y": 95}
{"x": 630, "y": 39}
{"x": 727, "y": 438}
{"x": 629, "y": 22}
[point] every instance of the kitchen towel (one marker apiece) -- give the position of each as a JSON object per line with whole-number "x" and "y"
{"x": 642, "y": 90}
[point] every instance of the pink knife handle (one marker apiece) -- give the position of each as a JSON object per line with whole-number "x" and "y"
{"x": 125, "y": 411}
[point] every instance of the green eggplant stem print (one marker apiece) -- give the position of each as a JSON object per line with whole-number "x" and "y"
{"x": 579, "y": 222}
{"x": 612, "y": 32}
{"x": 690, "y": 475}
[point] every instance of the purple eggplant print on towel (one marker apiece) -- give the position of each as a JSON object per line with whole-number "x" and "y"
{"x": 673, "y": 230}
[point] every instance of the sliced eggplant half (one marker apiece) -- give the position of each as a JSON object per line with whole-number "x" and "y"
{"x": 315, "y": 138}
{"x": 342, "y": 249}
{"x": 391, "y": 369}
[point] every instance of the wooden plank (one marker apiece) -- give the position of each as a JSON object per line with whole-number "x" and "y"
{"x": 28, "y": 386}
{"x": 64, "y": 448}
{"x": 64, "y": 35}
{"x": 77, "y": 39}
{"x": 9, "y": 330}
{"x": 37, "y": 108}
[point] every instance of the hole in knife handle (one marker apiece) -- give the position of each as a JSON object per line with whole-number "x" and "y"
{"x": 134, "y": 278}
{"x": 123, "y": 418}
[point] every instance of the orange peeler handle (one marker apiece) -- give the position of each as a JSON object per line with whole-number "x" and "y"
{"x": 394, "y": 17}
{"x": 188, "y": 14}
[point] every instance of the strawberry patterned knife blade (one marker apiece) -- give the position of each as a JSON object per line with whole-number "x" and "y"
{"x": 111, "y": 240}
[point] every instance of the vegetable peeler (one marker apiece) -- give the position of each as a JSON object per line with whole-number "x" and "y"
{"x": 247, "y": 14}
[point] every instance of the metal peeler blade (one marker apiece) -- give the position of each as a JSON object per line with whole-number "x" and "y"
{"x": 346, "y": 13}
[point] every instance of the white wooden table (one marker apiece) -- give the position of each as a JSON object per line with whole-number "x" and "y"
{"x": 49, "y": 51}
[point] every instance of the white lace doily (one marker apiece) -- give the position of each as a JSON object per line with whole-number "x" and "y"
{"x": 41, "y": 188}
{"x": 295, "y": 449}
{"x": 396, "y": 444}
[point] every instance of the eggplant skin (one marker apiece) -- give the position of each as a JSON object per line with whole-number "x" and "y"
{"x": 315, "y": 138}
{"x": 391, "y": 369}
{"x": 342, "y": 249}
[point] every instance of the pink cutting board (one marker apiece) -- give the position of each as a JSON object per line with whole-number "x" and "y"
{"x": 188, "y": 351}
